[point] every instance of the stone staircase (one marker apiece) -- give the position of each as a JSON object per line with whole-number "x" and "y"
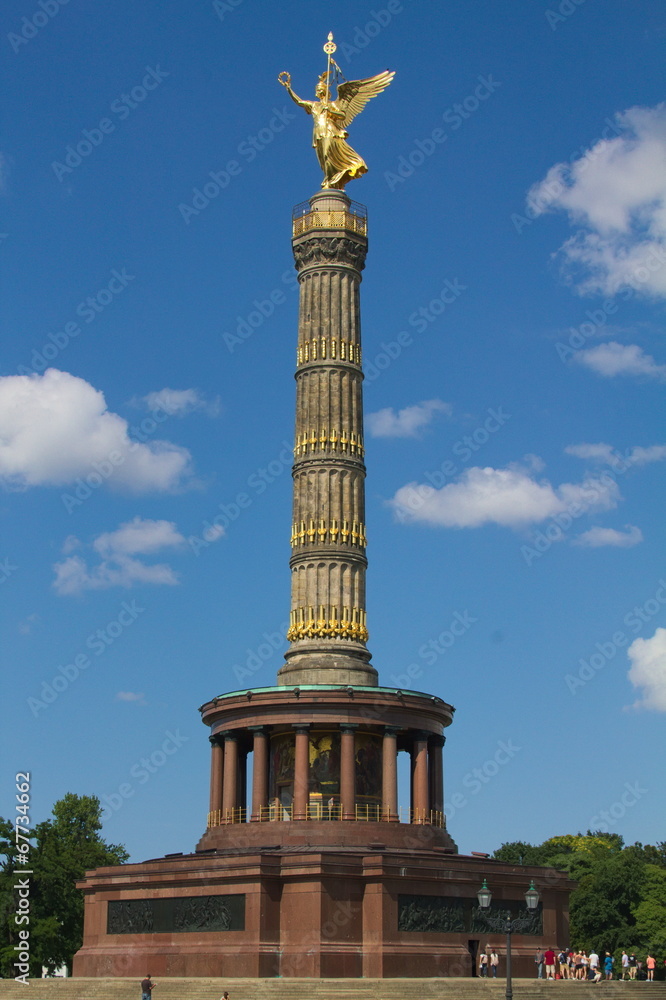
{"x": 327, "y": 989}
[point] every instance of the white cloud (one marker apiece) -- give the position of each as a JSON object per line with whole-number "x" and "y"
{"x": 613, "y": 359}
{"x": 617, "y": 193}
{"x": 118, "y": 568}
{"x": 510, "y": 497}
{"x": 138, "y": 536}
{"x": 131, "y": 696}
{"x": 595, "y": 538}
{"x": 407, "y": 422}
{"x": 179, "y": 402}
{"x": 648, "y": 670}
{"x": 605, "y": 454}
{"x": 56, "y": 427}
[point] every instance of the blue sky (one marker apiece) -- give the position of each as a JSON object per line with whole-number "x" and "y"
{"x": 513, "y": 319}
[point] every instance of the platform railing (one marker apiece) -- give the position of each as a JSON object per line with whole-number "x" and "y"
{"x": 365, "y": 812}
{"x": 355, "y": 220}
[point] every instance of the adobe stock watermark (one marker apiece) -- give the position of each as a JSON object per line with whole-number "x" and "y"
{"x": 257, "y": 483}
{"x": 596, "y": 318}
{"x": 257, "y": 658}
{"x": 431, "y": 650}
{"x": 224, "y": 7}
{"x": 478, "y": 777}
{"x": 564, "y": 11}
{"x": 607, "y": 818}
{"x": 96, "y": 643}
{"x": 363, "y": 34}
{"x": 419, "y": 320}
{"x": 606, "y": 651}
{"x": 582, "y": 158}
{"x": 102, "y": 470}
{"x": 142, "y": 771}
{"x": 262, "y": 309}
{"x": 248, "y": 150}
{"x": 454, "y": 117}
{"x": 560, "y": 524}
{"x": 88, "y": 310}
{"x": 31, "y": 26}
{"x": 465, "y": 448}
{"x": 7, "y": 569}
{"x": 122, "y": 108}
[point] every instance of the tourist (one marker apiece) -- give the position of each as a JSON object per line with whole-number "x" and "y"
{"x": 650, "y": 963}
{"x": 625, "y": 964}
{"x": 578, "y": 965}
{"x": 539, "y": 960}
{"x": 483, "y": 964}
{"x": 494, "y": 962}
{"x": 147, "y": 987}
{"x": 562, "y": 962}
{"x": 550, "y": 963}
{"x": 608, "y": 965}
{"x": 585, "y": 962}
{"x": 594, "y": 964}
{"x": 632, "y": 966}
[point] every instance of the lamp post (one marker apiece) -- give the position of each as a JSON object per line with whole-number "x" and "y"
{"x": 502, "y": 923}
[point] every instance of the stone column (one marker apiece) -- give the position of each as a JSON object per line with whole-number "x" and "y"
{"x": 301, "y": 772}
{"x": 420, "y": 803}
{"x": 259, "y": 771}
{"x": 327, "y": 630}
{"x": 436, "y": 772}
{"x": 390, "y": 775}
{"x": 216, "y": 765}
{"x": 230, "y": 784}
{"x": 348, "y": 771}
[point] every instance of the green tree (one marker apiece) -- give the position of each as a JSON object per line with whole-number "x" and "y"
{"x": 65, "y": 847}
{"x": 620, "y": 900}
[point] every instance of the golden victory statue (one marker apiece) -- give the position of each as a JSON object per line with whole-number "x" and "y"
{"x": 337, "y": 159}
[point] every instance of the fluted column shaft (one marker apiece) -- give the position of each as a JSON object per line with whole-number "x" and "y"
{"x": 259, "y": 772}
{"x": 216, "y": 766}
{"x": 328, "y": 630}
{"x": 347, "y": 771}
{"x": 420, "y": 803}
{"x": 301, "y": 772}
{"x": 390, "y": 775}
{"x": 230, "y": 782}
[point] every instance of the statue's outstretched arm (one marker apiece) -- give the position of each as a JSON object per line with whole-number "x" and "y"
{"x": 285, "y": 79}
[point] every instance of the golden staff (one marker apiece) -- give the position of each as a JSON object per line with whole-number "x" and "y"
{"x": 329, "y": 48}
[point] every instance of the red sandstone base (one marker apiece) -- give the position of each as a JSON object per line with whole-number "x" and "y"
{"x": 313, "y": 911}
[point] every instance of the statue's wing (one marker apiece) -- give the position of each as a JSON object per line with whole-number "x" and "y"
{"x": 355, "y": 94}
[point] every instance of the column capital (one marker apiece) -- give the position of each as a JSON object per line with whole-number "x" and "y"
{"x": 420, "y": 735}
{"x": 229, "y": 734}
{"x": 215, "y": 740}
{"x": 436, "y": 741}
{"x": 301, "y": 727}
{"x": 258, "y": 730}
{"x": 348, "y": 727}
{"x": 391, "y": 730}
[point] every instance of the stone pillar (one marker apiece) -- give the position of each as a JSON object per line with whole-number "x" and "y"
{"x": 420, "y": 803}
{"x": 436, "y": 772}
{"x": 301, "y": 772}
{"x": 327, "y": 630}
{"x": 348, "y": 771}
{"x": 230, "y": 784}
{"x": 390, "y": 775}
{"x": 216, "y": 765}
{"x": 259, "y": 772}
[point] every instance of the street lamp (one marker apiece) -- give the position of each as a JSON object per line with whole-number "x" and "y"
{"x": 502, "y": 923}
